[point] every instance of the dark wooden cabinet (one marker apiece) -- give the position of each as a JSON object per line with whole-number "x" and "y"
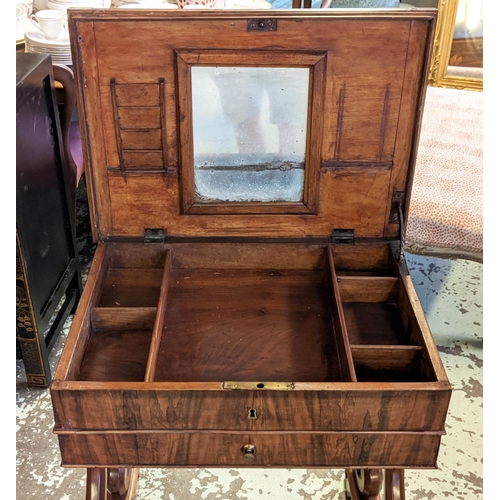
{"x": 249, "y": 304}
{"x": 48, "y": 281}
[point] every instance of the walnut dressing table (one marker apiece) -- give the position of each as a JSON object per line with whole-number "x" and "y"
{"x": 249, "y": 303}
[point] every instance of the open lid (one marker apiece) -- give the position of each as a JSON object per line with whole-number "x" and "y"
{"x": 287, "y": 123}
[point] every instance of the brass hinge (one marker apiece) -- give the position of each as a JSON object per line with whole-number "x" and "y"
{"x": 154, "y": 235}
{"x": 343, "y": 236}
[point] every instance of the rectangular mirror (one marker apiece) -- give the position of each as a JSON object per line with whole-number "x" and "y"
{"x": 249, "y": 133}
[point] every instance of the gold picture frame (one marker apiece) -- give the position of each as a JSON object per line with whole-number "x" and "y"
{"x": 439, "y": 77}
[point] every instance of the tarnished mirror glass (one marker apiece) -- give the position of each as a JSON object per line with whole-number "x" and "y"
{"x": 249, "y": 133}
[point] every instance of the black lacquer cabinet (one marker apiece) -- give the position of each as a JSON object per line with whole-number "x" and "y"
{"x": 48, "y": 279}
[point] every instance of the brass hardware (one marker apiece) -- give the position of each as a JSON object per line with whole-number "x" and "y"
{"x": 154, "y": 235}
{"x": 343, "y": 236}
{"x": 252, "y": 414}
{"x": 248, "y": 452}
{"x": 262, "y": 25}
{"x": 269, "y": 386}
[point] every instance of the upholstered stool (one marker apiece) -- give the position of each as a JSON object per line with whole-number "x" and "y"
{"x": 446, "y": 210}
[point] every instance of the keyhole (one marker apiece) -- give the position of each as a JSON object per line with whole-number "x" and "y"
{"x": 252, "y": 414}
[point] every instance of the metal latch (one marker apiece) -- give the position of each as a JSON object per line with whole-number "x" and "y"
{"x": 262, "y": 25}
{"x": 154, "y": 235}
{"x": 343, "y": 236}
{"x": 398, "y": 198}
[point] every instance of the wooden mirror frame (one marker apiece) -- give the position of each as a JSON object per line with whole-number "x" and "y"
{"x": 439, "y": 77}
{"x": 316, "y": 62}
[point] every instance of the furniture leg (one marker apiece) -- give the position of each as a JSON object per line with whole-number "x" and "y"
{"x": 111, "y": 484}
{"x": 366, "y": 484}
{"x": 394, "y": 484}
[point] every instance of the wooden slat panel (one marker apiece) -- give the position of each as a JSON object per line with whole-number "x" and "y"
{"x": 368, "y": 289}
{"x": 141, "y": 139}
{"x": 137, "y": 255}
{"x": 283, "y": 450}
{"x": 139, "y": 117}
{"x": 126, "y": 318}
{"x": 351, "y": 409}
{"x": 389, "y": 358}
{"x": 142, "y": 159}
{"x": 245, "y": 256}
{"x": 143, "y": 94}
{"x": 159, "y": 321}
{"x": 361, "y": 257}
{"x": 339, "y": 325}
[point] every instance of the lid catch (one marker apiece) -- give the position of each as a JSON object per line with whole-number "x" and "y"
{"x": 154, "y": 235}
{"x": 397, "y": 217}
{"x": 343, "y": 236}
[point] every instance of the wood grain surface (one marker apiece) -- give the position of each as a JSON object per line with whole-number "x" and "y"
{"x": 201, "y": 449}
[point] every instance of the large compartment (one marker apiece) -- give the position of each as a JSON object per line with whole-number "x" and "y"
{"x": 252, "y": 312}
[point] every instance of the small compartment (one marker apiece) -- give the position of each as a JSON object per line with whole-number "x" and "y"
{"x": 371, "y": 311}
{"x": 123, "y": 314}
{"x": 383, "y": 332}
{"x": 116, "y": 356}
{"x": 388, "y": 364}
{"x": 118, "y": 345}
{"x": 132, "y": 276}
{"x": 124, "y": 287}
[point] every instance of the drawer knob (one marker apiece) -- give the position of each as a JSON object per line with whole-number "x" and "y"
{"x": 248, "y": 452}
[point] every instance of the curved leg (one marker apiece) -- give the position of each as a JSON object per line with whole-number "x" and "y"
{"x": 112, "y": 484}
{"x": 366, "y": 484}
{"x": 394, "y": 484}
{"x": 96, "y": 484}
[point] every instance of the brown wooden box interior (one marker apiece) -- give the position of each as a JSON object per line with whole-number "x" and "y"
{"x": 228, "y": 317}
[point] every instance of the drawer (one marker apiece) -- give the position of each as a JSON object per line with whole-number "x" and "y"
{"x": 211, "y": 449}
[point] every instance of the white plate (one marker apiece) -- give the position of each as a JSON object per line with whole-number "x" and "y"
{"x": 22, "y": 12}
{"x": 22, "y": 28}
{"x": 37, "y": 38}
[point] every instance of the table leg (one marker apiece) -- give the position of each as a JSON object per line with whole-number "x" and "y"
{"x": 112, "y": 483}
{"x": 367, "y": 484}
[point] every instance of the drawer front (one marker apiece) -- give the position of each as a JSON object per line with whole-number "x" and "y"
{"x": 227, "y": 410}
{"x": 208, "y": 449}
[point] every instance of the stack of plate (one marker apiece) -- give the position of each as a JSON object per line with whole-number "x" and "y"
{"x": 59, "y": 48}
{"x": 23, "y": 23}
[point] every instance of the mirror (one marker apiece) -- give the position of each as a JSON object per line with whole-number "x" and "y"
{"x": 249, "y": 133}
{"x": 458, "y": 45}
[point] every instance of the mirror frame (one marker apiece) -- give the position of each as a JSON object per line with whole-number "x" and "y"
{"x": 438, "y": 77}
